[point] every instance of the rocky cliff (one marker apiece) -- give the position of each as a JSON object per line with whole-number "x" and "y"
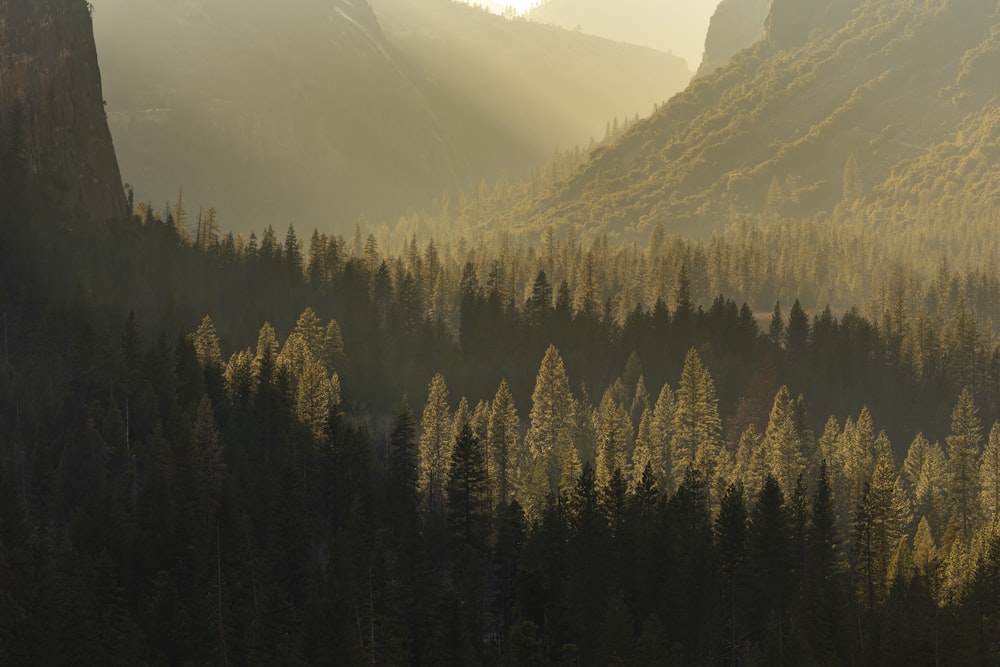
{"x": 55, "y": 145}
{"x": 735, "y": 25}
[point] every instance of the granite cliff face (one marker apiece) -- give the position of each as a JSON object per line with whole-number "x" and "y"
{"x": 735, "y": 25}
{"x": 55, "y": 145}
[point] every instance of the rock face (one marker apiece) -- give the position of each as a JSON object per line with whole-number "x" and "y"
{"x": 55, "y": 146}
{"x": 735, "y": 25}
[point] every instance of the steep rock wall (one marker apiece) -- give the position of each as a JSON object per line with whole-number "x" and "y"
{"x": 55, "y": 146}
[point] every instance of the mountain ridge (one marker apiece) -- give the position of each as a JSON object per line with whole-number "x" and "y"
{"x": 774, "y": 130}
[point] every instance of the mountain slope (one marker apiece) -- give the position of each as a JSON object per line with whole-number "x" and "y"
{"x": 544, "y": 85}
{"x": 866, "y": 90}
{"x": 312, "y": 113}
{"x": 672, "y": 26}
{"x": 273, "y": 116}
{"x": 54, "y": 141}
{"x": 735, "y": 25}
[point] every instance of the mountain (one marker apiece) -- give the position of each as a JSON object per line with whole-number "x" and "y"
{"x": 269, "y": 114}
{"x": 844, "y": 106}
{"x": 673, "y": 26}
{"x": 54, "y": 141}
{"x": 317, "y": 113}
{"x": 735, "y": 25}
{"x": 543, "y": 85}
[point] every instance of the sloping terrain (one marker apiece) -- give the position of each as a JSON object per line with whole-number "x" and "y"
{"x": 735, "y": 25}
{"x": 313, "y": 114}
{"x": 674, "y": 26}
{"x": 841, "y": 103}
{"x": 546, "y": 86}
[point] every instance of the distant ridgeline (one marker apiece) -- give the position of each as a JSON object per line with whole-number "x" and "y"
{"x": 55, "y": 148}
{"x": 865, "y": 111}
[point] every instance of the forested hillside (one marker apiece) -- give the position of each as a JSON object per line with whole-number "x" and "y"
{"x": 533, "y": 424}
{"x": 450, "y": 438}
{"x": 853, "y": 106}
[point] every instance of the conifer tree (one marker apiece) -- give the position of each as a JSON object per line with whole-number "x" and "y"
{"x": 315, "y": 397}
{"x": 210, "y": 468}
{"x": 553, "y": 462}
{"x": 403, "y": 460}
{"x": 783, "y": 448}
{"x": 882, "y": 516}
{"x": 963, "y": 456}
{"x": 660, "y": 437}
{"x": 614, "y": 430}
{"x": 206, "y": 344}
{"x": 505, "y": 457}
{"x": 751, "y": 465}
{"x": 697, "y": 429}
{"x": 436, "y": 443}
{"x": 642, "y": 454}
{"x": 468, "y": 489}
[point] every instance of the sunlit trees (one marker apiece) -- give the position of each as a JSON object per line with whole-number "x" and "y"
{"x": 553, "y": 462}
{"x": 880, "y": 520}
{"x": 697, "y": 429}
{"x": 505, "y": 456}
{"x": 782, "y": 443}
{"x": 436, "y": 443}
{"x": 614, "y": 431}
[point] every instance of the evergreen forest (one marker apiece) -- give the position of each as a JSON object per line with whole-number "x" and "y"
{"x": 722, "y": 388}
{"x": 288, "y": 452}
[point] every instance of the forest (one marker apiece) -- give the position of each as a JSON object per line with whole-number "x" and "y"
{"x": 278, "y": 452}
{"x": 721, "y": 388}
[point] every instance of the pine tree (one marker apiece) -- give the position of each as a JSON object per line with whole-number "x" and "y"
{"x": 643, "y": 455}
{"x": 882, "y": 516}
{"x": 963, "y": 455}
{"x": 782, "y": 446}
{"x": 553, "y": 463}
{"x": 210, "y": 469}
{"x": 316, "y": 396}
{"x": 266, "y": 358}
{"x": 206, "y": 344}
{"x": 660, "y": 437}
{"x": 505, "y": 457}
{"x": 614, "y": 431}
{"x": 403, "y": 460}
{"x": 468, "y": 489}
{"x": 697, "y": 429}
{"x": 751, "y": 466}
{"x": 925, "y": 472}
{"x": 436, "y": 443}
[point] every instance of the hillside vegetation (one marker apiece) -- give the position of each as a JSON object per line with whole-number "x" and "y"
{"x": 843, "y": 118}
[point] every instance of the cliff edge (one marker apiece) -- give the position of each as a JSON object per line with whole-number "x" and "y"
{"x": 55, "y": 146}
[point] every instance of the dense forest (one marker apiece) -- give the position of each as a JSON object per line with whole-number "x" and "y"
{"x": 724, "y": 388}
{"x": 473, "y": 456}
